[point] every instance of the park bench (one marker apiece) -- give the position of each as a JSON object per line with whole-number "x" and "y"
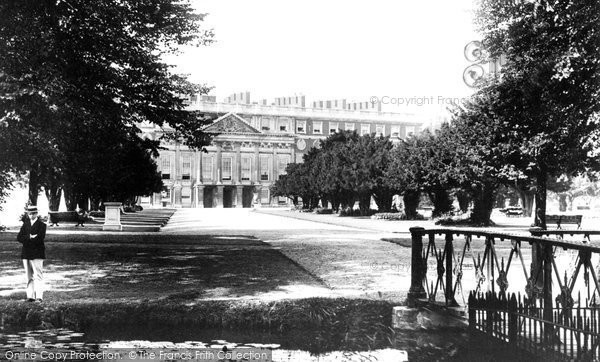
{"x": 512, "y": 211}
{"x": 560, "y": 220}
{"x": 68, "y": 216}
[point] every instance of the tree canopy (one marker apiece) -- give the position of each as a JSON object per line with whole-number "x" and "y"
{"x": 74, "y": 72}
{"x": 548, "y": 92}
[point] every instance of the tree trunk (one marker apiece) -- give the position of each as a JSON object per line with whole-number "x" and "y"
{"x": 562, "y": 202}
{"x": 314, "y": 202}
{"x": 53, "y": 194}
{"x": 483, "y": 203}
{"x": 95, "y": 203}
{"x": 540, "y": 198}
{"x": 527, "y": 198}
{"x": 34, "y": 186}
{"x": 441, "y": 201}
{"x": 82, "y": 202}
{"x": 464, "y": 199}
{"x": 70, "y": 198}
{"x": 383, "y": 199}
{"x": 411, "y": 202}
{"x": 364, "y": 203}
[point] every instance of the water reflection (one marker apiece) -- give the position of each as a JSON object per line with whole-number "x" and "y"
{"x": 54, "y": 340}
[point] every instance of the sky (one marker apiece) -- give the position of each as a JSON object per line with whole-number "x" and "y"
{"x": 403, "y": 52}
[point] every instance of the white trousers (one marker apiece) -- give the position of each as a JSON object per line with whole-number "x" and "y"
{"x": 35, "y": 278}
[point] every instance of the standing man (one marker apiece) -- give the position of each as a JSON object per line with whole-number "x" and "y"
{"x": 33, "y": 253}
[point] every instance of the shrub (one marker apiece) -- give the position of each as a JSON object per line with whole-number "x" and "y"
{"x": 356, "y": 212}
{"x": 321, "y": 211}
{"x": 97, "y": 214}
{"x": 451, "y": 219}
{"x": 395, "y": 216}
{"x": 389, "y": 216}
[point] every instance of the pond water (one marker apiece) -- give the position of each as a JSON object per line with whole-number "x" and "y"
{"x": 302, "y": 346}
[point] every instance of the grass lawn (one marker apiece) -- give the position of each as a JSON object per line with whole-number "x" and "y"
{"x": 154, "y": 266}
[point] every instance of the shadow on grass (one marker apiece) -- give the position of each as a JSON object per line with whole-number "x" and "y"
{"x": 185, "y": 268}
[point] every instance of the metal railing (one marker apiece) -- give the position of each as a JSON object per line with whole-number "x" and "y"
{"x": 540, "y": 263}
{"x": 546, "y": 272}
{"x": 571, "y": 334}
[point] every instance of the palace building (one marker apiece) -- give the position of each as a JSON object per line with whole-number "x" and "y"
{"x": 253, "y": 144}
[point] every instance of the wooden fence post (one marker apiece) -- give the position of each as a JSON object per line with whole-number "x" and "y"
{"x": 490, "y": 305}
{"x": 513, "y": 324}
{"x": 472, "y": 311}
{"x": 417, "y": 267}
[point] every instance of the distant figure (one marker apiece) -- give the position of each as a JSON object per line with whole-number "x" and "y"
{"x": 82, "y": 216}
{"x": 33, "y": 252}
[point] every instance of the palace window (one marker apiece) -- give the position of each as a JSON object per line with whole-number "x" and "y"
{"x": 410, "y": 130}
{"x": 246, "y": 168}
{"x": 301, "y": 126}
{"x": 265, "y": 124}
{"x": 349, "y": 126}
{"x": 333, "y": 127}
{"x": 379, "y": 129}
{"x": 264, "y": 168}
{"x": 282, "y": 163}
{"x": 365, "y": 129}
{"x": 186, "y": 166}
{"x": 317, "y": 127}
{"x": 395, "y": 131}
{"x": 226, "y": 168}
{"x": 207, "y": 168}
{"x": 165, "y": 166}
{"x": 283, "y": 125}
{"x": 186, "y": 193}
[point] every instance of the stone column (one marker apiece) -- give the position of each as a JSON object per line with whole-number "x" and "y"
{"x": 274, "y": 174}
{"x": 200, "y": 196}
{"x": 239, "y": 196}
{"x": 292, "y": 153}
{"x": 275, "y": 171}
{"x": 258, "y": 199}
{"x": 177, "y": 195}
{"x": 257, "y": 163}
{"x": 112, "y": 216}
{"x": 219, "y": 196}
{"x": 177, "y": 174}
{"x": 219, "y": 166}
{"x": 198, "y": 166}
{"x": 237, "y": 169}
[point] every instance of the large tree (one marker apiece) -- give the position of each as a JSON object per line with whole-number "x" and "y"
{"x": 74, "y": 62}
{"x": 549, "y": 89}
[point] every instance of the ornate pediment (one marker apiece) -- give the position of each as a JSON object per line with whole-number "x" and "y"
{"x": 230, "y": 123}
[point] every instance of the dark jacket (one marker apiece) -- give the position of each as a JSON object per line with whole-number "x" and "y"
{"x": 33, "y": 248}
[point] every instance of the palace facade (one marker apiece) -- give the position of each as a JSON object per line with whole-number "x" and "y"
{"x": 253, "y": 144}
